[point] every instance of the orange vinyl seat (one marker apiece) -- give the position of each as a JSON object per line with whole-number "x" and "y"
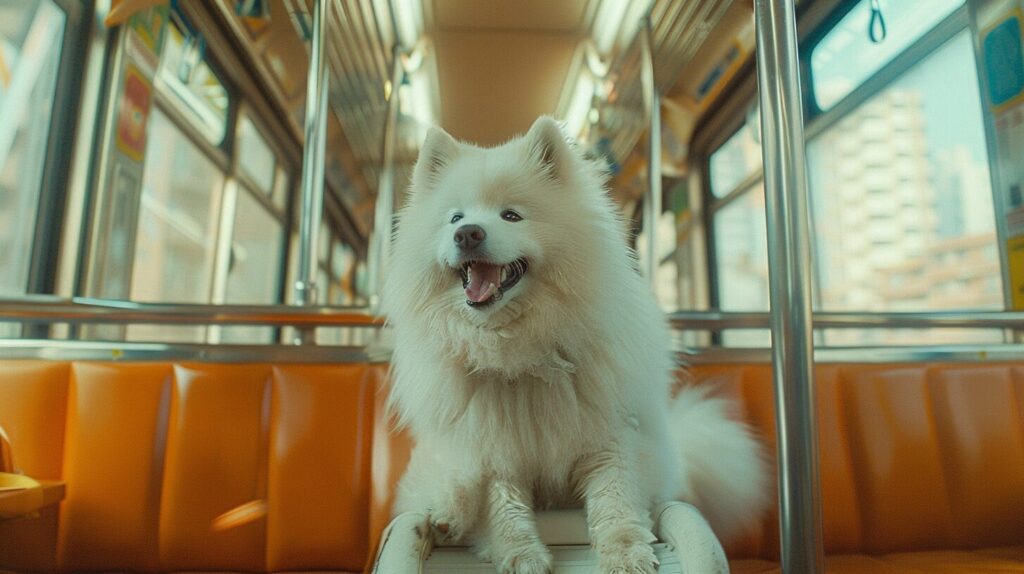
{"x": 922, "y": 465}
{"x": 153, "y": 453}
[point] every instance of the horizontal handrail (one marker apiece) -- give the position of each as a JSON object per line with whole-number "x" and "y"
{"x": 966, "y": 353}
{"x": 71, "y": 350}
{"x": 47, "y": 309}
{"x": 719, "y": 320}
{"x": 65, "y": 350}
{"x": 51, "y": 309}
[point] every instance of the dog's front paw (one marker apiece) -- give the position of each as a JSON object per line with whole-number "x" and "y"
{"x": 636, "y": 559}
{"x": 531, "y": 560}
{"x": 446, "y": 528}
{"x": 628, "y": 553}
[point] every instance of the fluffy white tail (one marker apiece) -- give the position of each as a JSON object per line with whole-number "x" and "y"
{"x": 724, "y": 466}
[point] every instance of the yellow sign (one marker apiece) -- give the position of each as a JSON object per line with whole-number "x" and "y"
{"x": 1015, "y": 255}
{"x": 121, "y": 10}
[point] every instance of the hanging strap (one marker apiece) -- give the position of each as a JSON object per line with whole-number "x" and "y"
{"x": 877, "y": 31}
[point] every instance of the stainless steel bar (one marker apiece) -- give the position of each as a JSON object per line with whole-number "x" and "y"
{"x": 313, "y": 165}
{"x": 64, "y": 350}
{"x": 52, "y": 309}
{"x": 717, "y": 320}
{"x": 997, "y": 353}
{"x": 652, "y": 200}
{"x": 385, "y": 206}
{"x": 58, "y": 350}
{"x": 44, "y": 309}
{"x": 782, "y": 137}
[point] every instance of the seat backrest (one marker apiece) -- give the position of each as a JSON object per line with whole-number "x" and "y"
{"x": 912, "y": 457}
{"x": 152, "y": 453}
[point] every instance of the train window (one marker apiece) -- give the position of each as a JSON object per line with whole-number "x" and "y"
{"x": 362, "y": 277}
{"x": 901, "y": 198}
{"x": 901, "y": 195}
{"x": 256, "y": 160}
{"x": 848, "y": 55}
{"x": 324, "y": 241}
{"x": 255, "y": 253}
{"x": 280, "y": 195}
{"x": 738, "y": 159}
{"x": 31, "y": 33}
{"x": 323, "y": 250}
{"x": 177, "y": 229}
{"x": 254, "y": 264}
{"x": 293, "y": 268}
{"x": 343, "y": 262}
{"x": 194, "y": 84}
{"x": 741, "y": 256}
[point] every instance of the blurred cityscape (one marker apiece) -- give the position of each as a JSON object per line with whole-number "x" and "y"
{"x": 898, "y": 225}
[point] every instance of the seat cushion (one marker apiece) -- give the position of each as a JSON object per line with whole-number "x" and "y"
{"x": 1003, "y": 560}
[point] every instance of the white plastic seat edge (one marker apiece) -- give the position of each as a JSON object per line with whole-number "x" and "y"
{"x": 407, "y": 543}
{"x": 684, "y": 528}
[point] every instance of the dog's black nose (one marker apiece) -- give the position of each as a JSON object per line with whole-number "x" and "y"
{"x": 469, "y": 236}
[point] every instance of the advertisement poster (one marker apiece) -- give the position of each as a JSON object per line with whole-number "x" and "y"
{"x": 133, "y": 114}
{"x": 1002, "y": 52}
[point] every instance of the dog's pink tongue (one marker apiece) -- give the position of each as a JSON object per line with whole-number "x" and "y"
{"x": 483, "y": 282}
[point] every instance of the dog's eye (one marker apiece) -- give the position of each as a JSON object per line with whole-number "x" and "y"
{"x": 456, "y": 217}
{"x": 509, "y": 215}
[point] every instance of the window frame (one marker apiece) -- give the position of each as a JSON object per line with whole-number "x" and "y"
{"x": 281, "y": 167}
{"x": 817, "y": 120}
{"x": 44, "y": 257}
{"x": 171, "y": 105}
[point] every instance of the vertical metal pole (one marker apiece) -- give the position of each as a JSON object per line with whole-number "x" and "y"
{"x": 385, "y": 206}
{"x": 652, "y": 200}
{"x": 313, "y": 166}
{"x": 785, "y": 182}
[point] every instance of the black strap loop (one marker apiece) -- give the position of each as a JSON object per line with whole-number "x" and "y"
{"x": 877, "y": 31}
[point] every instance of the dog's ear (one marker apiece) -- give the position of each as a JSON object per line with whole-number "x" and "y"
{"x": 549, "y": 146}
{"x": 438, "y": 150}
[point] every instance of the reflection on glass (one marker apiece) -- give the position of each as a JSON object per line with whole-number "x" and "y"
{"x": 323, "y": 279}
{"x": 736, "y": 159}
{"x": 30, "y": 44}
{"x": 176, "y": 238}
{"x": 255, "y": 158}
{"x": 255, "y": 253}
{"x": 343, "y": 260}
{"x": 847, "y": 56}
{"x": 280, "y": 194}
{"x": 741, "y": 253}
{"x": 902, "y": 200}
{"x": 195, "y": 85}
{"x": 323, "y": 240}
{"x": 254, "y": 264}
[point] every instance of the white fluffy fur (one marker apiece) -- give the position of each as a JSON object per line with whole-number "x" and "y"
{"x": 558, "y": 394}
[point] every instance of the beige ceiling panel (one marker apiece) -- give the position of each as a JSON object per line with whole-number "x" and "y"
{"x": 493, "y": 85}
{"x": 559, "y": 15}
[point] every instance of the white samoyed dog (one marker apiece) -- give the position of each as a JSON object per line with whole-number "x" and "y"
{"x": 533, "y": 368}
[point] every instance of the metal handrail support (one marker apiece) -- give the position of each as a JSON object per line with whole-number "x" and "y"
{"x": 53, "y": 309}
{"x": 782, "y": 137}
{"x": 652, "y": 105}
{"x": 722, "y": 320}
{"x": 313, "y": 160}
{"x": 48, "y": 309}
{"x": 385, "y": 205}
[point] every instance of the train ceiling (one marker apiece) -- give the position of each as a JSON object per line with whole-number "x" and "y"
{"x": 484, "y": 69}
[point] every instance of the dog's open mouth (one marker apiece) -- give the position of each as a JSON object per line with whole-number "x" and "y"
{"x": 485, "y": 282}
